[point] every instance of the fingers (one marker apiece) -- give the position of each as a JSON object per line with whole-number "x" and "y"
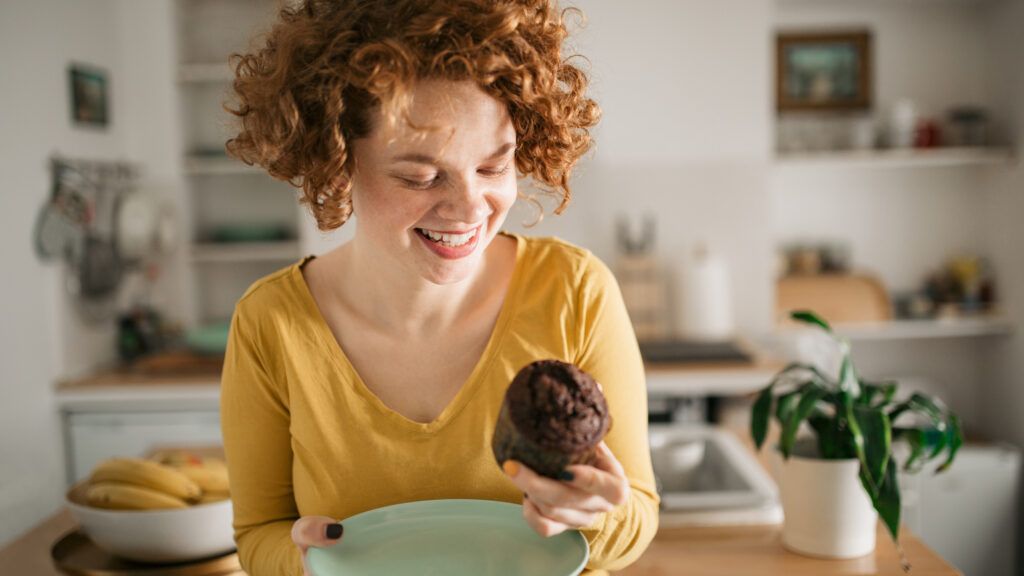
{"x": 607, "y": 461}
{"x": 553, "y": 493}
{"x": 541, "y": 525}
{"x": 606, "y": 478}
{"x": 567, "y": 516}
{"x": 319, "y": 531}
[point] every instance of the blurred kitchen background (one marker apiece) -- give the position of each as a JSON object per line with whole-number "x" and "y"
{"x": 733, "y": 179}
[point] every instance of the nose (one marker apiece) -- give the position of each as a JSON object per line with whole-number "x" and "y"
{"x": 466, "y": 201}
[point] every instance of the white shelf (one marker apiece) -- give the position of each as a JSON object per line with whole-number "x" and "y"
{"x": 920, "y": 329}
{"x": 214, "y": 165}
{"x": 898, "y": 158}
{"x": 205, "y": 73}
{"x": 146, "y": 397}
{"x": 217, "y": 253}
{"x": 709, "y": 381}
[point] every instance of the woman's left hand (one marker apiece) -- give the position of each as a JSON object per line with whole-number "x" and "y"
{"x": 554, "y": 506}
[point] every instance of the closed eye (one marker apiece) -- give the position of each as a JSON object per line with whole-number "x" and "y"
{"x": 420, "y": 184}
{"x": 496, "y": 171}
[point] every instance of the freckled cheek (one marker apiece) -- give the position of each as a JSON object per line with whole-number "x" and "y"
{"x": 505, "y": 198}
{"x": 383, "y": 211}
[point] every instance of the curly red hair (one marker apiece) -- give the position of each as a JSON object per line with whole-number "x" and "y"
{"x": 308, "y": 93}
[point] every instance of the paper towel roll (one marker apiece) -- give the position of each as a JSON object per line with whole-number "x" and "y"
{"x": 706, "y": 298}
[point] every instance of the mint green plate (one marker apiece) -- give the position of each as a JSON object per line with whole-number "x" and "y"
{"x": 449, "y": 538}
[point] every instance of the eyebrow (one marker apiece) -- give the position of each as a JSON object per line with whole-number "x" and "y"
{"x": 426, "y": 159}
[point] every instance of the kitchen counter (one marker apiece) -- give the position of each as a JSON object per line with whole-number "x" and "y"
{"x": 696, "y": 551}
{"x": 722, "y": 551}
{"x": 191, "y": 384}
{"x": 132, "y": 390}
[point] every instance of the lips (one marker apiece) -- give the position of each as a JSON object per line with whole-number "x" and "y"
{"x": 450, "y": 245}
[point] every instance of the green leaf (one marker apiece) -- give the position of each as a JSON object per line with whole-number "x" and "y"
{"x": 759, "y": 415}
{"x": 923, "y": 405}
{"x": 857, "y": 437}
{"x": 785, "y": 404}
{"x": 833, "y": 443}
{"x": 877, "y": 434}
{"x": 954, "y": 439}
{"x": 918, "y": 446}
{"x": 808, "y": 317}
{"x": 848, "y": 376}
{"x": 887, "y": 502}
{"x": 947, "y": 434}
{"x": 884, "y": 393}
{"x": 810, "y": 394}
{"x": 762, "y": 406}
{"x": 925, "y": 444}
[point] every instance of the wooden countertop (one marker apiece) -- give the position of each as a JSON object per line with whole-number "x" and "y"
{"x": 721, "y": 551}
{"x": 695, "y": 551}
{"x": 732, "y": 550}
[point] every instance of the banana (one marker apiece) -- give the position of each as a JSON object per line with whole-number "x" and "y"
{"x": 119, "y": 496}
{"x": 146, "y": 474}
{"x": 176, "y": 458}
{"x": 209, "y": 497}
{"x": 208, "y": 478}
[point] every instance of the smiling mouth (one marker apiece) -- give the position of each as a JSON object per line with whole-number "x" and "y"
{"x": 448, "y": 240}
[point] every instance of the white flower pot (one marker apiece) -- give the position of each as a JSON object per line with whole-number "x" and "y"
{"x": 828, "y": 513}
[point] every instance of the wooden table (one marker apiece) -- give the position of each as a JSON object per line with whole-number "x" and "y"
{"x": 737, "y": 550}
{"x": 691, "y": 551}
{"x": 724, "y": 551}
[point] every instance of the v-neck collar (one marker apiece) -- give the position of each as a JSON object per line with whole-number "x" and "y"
{"x": 468, "y": 388}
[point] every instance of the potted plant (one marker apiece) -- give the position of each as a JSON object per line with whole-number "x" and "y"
{"x": 836, "y": 483}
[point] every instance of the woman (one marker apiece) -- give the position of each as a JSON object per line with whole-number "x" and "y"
{"x": 373, "y": 375}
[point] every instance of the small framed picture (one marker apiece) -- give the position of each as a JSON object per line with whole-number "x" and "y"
{"x": 89, "y": 104}
{"x": 823, "y": 71}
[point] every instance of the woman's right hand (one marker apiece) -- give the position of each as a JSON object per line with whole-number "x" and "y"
{"x": 319, "y": 531}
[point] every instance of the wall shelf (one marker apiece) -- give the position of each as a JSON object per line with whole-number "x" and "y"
{"x": 709, "y": 379}
{"x": 898, "y": 158}
{"x": 920, "y": 329}
{"x": 216, "y": 253}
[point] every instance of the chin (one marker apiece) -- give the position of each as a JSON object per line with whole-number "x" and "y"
{"x": 453, "y": 272}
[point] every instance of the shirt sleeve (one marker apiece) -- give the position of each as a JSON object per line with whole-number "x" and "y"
{"x": 257, "y": 443}
{"x": 609, "y": 352}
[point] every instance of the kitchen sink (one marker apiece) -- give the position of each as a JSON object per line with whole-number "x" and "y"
{"x": 705, "y": 476}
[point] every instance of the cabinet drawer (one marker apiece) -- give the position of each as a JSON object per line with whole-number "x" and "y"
{"x": 92, "y": 437}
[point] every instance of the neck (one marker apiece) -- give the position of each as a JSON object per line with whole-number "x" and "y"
{"x": 387, "y": 296}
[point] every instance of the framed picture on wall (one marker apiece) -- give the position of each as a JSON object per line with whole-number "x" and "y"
{"x": 820, "y": 71}
{"x": 89, "y": 105}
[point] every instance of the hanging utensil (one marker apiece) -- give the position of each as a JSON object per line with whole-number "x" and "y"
{"x": 65, "y": 215}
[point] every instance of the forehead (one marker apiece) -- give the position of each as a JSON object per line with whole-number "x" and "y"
{"x": 445, "y": 115}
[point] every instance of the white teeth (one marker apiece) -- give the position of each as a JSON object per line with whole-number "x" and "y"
{"x": 449, "y": 240}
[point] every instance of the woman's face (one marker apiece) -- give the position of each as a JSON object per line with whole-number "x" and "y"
{"x": 432, "y": 201}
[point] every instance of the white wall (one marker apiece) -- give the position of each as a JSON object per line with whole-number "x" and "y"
{"x": 38, "y": 341}
{"x": 43, "y": 339}
{"x": 684, "y": 136}
{"x": 901, "y": 223}
{"x": 1004, "y": 395}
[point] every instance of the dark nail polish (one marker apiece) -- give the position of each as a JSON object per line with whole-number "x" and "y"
{"x": 334, "y": 531}
{"x": 566, "y": 475}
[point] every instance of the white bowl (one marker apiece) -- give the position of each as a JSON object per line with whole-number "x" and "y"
{"x": 174, "y": 535}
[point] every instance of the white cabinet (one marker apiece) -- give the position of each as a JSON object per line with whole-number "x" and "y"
{"x": 968, "y": 514}
{"x": 93, "y": 436}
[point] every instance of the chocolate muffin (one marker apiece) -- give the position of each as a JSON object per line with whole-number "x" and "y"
{"x": 553, "y": 415}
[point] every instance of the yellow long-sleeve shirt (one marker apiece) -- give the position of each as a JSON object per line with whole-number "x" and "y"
{"x": 304, "y": 436}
